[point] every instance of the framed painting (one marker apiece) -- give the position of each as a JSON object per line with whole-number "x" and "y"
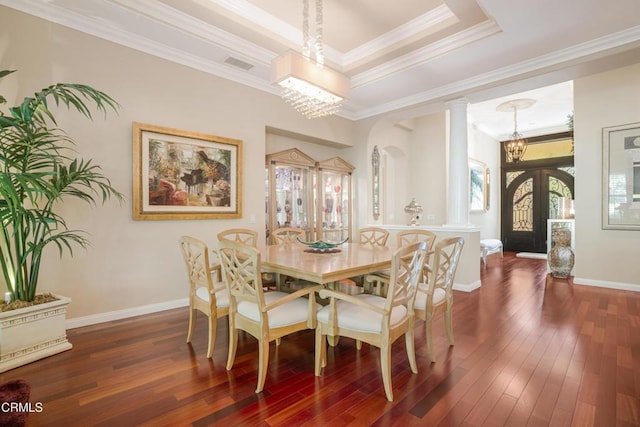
{"x": 185, "y": 175}
{"x": 621, "y": 177}
{"x": 478, "y": 191}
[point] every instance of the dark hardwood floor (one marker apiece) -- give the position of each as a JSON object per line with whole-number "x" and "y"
{"x": 530, "y": 351}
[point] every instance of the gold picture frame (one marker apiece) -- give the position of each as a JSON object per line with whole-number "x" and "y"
{"x": 180, "y": 175}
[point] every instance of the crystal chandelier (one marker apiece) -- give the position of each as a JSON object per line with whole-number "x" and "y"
{"x": 517, "y": 145}
{"x": 309, "y": 86}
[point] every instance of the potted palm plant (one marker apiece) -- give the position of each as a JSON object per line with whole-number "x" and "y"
{"x": 38, "y": 171}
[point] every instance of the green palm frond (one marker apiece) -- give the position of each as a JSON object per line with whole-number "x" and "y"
{"x": 38, "y": 167}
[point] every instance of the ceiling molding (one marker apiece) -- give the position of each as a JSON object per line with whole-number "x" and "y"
{"x": 398, "y": 35}
{"x": 426, "y": 53}
{"x": 189, "y": 25}
{"x": 196, "y": 62}
{"x": 262, "y": 19}
{"x": 283, "y": 30}
{"x": 573, "y": 53}
{"x": 345, "y": 60}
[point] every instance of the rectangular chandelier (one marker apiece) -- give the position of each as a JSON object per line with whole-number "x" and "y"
{"x": 313, "y": 89}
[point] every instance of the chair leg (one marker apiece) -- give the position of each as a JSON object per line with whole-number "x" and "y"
{"x": 411, "y": 350}
{"x": 233, "y": 344}
{"x": 448, "y": 323}
{"x": 428, "y": 326}
{"x": 212, "y": 335}
{"x": 385, "y": 366}
{"x": 263, "y": 362}
{"x": 321, "y": 349}
{"x": 192, "y": 323}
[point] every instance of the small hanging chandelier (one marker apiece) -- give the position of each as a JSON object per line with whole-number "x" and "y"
{"x": 309, "y": 86}
{"x": 516, "y": 146}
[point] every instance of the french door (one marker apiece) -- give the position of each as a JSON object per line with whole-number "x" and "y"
{"x": 530, "y": 197}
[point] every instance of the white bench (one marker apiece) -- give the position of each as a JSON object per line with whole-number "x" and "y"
{"x": 488, "y": 247}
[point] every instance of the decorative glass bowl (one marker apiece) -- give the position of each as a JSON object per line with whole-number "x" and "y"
{"x": 320, "y": 246}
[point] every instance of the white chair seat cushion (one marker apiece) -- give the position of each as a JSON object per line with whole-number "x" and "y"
{"x": 439, "y": 295}
{"x": 490, "y": 244}
{"x": 222, "y": 296}
{"x": 292, "y": 312}
{"x": 358, "y": 318}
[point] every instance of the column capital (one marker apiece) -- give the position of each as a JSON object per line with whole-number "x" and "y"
{"x": 457, "y": 103}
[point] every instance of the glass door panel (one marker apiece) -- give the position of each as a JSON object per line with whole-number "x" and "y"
{"x": 290, "y": 197}
{"x": 334, "y": 200}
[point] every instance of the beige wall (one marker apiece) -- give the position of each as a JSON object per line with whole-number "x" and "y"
{"x": 603, "y": 257}
{"x": 429, "y": 167}
{"x": 137, "y": 263}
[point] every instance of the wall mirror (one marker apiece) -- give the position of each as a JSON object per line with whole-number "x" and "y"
{"x": 375, "y": 164}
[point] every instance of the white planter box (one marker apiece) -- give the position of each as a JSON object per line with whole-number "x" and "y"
{"x": 32, "y": 333}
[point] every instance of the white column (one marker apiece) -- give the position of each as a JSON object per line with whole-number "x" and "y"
{"x": 458, "y": 185}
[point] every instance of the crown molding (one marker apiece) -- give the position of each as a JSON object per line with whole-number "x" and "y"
{"x": 373, "y": 47}
{"x": 571, "y": 54}
{"x": 262, "y": 19}
{"x": 426, "y": 53}
{"x": 397, "y": 35}
{"x": 187, "y": 24}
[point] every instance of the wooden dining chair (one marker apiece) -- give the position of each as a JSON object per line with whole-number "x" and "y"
{"x": 373, "y": 236}
{"x": 242, "y": 235}
{"x": 287, "y": 235}
{"x": 248, "y": 237}
{"x": 207, "y": 293}
{"x": 404, "y": 238}
{"x": 267, "y": 316}
{"x": 437, "y": 293}
{"x": 376, "y": 320}
{"x": 283, "y": 236}
{"x": 411, "y": 236}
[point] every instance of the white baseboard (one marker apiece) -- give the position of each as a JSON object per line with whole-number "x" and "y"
{"x": 470, "y": 287}
{"x": 78, "y": 322}
{"x": 606, "y": 284}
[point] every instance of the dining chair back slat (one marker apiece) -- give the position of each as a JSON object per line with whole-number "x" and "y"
{"x": 287, "y": 235}
{"x": 373, "y": 236}
{"x": 242, "y": 235}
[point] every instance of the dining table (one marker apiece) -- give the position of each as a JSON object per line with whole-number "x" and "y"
{"x": 328, "y": 267}
{"x": 325, "y": 267}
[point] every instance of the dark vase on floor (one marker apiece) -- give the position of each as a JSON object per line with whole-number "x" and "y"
{"x": 560, "y": 257}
